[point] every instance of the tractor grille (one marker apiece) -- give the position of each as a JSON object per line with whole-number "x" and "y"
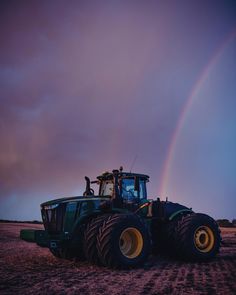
{"x": 53, "y": 217}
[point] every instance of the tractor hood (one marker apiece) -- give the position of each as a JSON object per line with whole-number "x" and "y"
{"x": 60, "y": 215}
{"x": 71, "y": 199}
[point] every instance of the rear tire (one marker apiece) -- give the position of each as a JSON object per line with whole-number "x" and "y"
{"x": 197, "y": 237}
{"x": 123, "y": 241}
{"x": 165, "y": 240}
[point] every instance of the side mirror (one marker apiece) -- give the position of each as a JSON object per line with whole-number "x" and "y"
{"x": 136, "y": 183}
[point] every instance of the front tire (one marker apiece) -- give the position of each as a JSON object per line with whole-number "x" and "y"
{"x": 55, "y": 253}
{"x": 197, "y": 237}
{"x": 73, "y": 250}
{"x": 63, "y": 253}
{"x": 90, "y": 239}
{"x": 123, "y": 241}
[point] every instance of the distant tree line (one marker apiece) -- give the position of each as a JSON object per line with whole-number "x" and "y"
{"x": 226, "y": 223}
{"x": 17, "y": 221}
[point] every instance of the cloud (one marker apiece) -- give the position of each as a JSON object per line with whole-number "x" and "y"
{"x": 85, "y": 87}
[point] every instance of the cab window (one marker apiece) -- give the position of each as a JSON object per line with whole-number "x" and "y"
{"x": 128, "y": 191}
{"x": 142, "y": 189}
{"x": 107, "y": 188}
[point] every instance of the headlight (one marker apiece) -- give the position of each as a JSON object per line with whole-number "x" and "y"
{"x": 50, "y": 207}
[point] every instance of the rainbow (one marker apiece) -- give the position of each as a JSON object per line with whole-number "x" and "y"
{"x": 185, "y": 110}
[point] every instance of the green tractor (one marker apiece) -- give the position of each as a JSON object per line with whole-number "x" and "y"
{"x": 120, "y": 227}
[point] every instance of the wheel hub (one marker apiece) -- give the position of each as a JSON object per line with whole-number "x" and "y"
{"x": 131, "y": 242}
{"x": 204, "y": 239}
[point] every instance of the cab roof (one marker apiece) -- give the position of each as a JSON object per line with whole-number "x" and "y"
{"x": 121, "y": 174}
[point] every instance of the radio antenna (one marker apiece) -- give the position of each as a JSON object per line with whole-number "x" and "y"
{"x": 132, "y": 165}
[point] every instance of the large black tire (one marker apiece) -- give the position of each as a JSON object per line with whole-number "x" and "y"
{"x": 123, "y": 241}
{"x": 56, "y": 253}
{"x": 90, "y": 239}
{"x": 63, "y": 253}
{"x": 165, "y": 236}
{"x": 197, "y": 237}
{"x": 73, "y": 250}
{"x": 77, "y": 244}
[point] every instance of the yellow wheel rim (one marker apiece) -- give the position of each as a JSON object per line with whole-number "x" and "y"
{"x": 131, "y": 242}
{"x": 204, "y": 239}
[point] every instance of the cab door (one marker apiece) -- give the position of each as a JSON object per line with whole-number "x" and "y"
{"x": 133, "y": 192}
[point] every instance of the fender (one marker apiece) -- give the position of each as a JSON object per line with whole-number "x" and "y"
{"x": 179, "y": 212}
{"x": 171, "y": 210}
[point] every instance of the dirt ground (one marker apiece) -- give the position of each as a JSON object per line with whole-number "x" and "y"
{"x": 28, "y": 269}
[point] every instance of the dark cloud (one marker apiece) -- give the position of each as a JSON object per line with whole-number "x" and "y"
{"x": 87, "y": 86}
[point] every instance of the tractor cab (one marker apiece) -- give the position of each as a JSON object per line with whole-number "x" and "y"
{"x": 126, "y": 189}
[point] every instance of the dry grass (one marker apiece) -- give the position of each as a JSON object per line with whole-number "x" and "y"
{"x": 28, "y": 269}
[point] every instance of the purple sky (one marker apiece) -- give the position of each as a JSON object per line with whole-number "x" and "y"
{"x": 86, "y": 86}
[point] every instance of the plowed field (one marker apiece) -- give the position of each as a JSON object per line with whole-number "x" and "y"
{"x": 28, "y": 269}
